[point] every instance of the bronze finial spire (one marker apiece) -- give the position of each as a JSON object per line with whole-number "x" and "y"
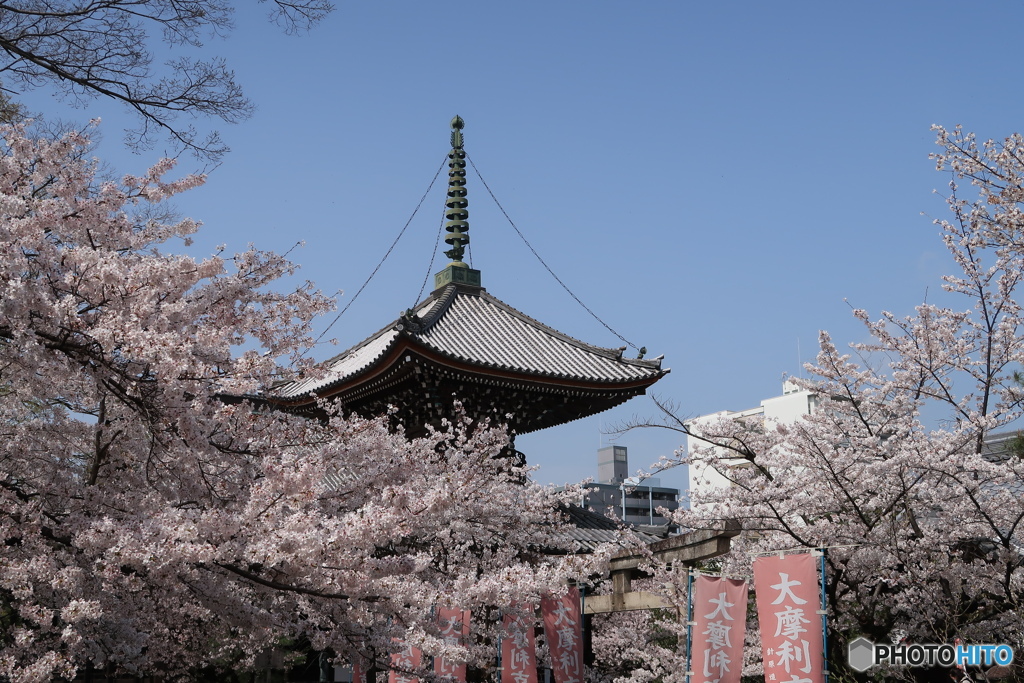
{"x": 457, "y": 212}
{"x": 457, "y": 215}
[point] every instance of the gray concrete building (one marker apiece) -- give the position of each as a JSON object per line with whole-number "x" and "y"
{"x": 634, "y": 501}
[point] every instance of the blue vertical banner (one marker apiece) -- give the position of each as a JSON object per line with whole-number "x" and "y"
{"x": 689, "y": 626}
{"x": 824, "y": 613}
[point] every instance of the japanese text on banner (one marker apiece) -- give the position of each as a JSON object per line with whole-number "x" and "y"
{"x": 563, "y": 628}
{"x": 403, "y": 662}
{"x": 787, "y": 613}
{"x": 454, "y": 626}
{"x": 720, "y": 614}
{"x": 518, "y": 650}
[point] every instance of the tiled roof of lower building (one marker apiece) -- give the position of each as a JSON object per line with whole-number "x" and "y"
{"x": 590, "y": 529}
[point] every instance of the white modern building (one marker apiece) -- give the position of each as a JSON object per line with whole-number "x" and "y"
{"x": 787, "y": 408}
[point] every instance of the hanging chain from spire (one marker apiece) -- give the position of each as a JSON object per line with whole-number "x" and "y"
{"x": 383, "y": 258}
{"x": 430, "y": 266}
{"x": 642, "y": 351}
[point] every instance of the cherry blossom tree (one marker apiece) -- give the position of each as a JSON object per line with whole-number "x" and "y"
{"x": 645, "y": 645}
{"x": 153, "y": 520}
{"x": 892, "y": 472}
{"x": 650, "y": 646}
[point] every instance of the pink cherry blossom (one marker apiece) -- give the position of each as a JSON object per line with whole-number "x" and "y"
{"x": 892, "y": 472}
{"x": 151, "y": 522}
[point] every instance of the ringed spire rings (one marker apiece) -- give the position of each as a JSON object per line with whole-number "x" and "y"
{"x": 457, "y": 204}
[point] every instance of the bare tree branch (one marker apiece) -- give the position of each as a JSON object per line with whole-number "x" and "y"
{"x": 104, "y": 48}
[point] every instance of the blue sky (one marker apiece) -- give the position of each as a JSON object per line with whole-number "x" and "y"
{"x": 715, "y": 180}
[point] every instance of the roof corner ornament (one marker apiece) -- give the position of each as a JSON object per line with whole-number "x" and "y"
{"x": 642, "y": 353}
{"x": 456, "y": 205}
{"x": 408, "y": 320}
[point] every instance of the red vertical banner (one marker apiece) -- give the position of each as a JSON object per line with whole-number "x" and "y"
{"x": 563, "y": 627}
{"x": 720, "y": 616}
{"x": 787, "y": 611}
{"x": 519, "y": 650}
{"x": 358, "y": 670}
{"x": 407, "y": 660}
{"x": 454, "y": 626}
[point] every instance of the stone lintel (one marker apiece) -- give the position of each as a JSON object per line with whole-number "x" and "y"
{"x": 687, "y": 548}
{"x": 623, "y": 602}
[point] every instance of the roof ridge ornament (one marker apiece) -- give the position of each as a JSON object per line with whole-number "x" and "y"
{"x": 457, "y": 215}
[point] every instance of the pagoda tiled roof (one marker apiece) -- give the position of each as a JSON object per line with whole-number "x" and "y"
{"x": 473, "y": 329}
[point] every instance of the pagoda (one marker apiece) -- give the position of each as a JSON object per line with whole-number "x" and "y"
{"x": 463, "y": 344}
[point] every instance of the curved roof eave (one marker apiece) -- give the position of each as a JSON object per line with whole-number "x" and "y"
{"x": 467, "y": 328}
